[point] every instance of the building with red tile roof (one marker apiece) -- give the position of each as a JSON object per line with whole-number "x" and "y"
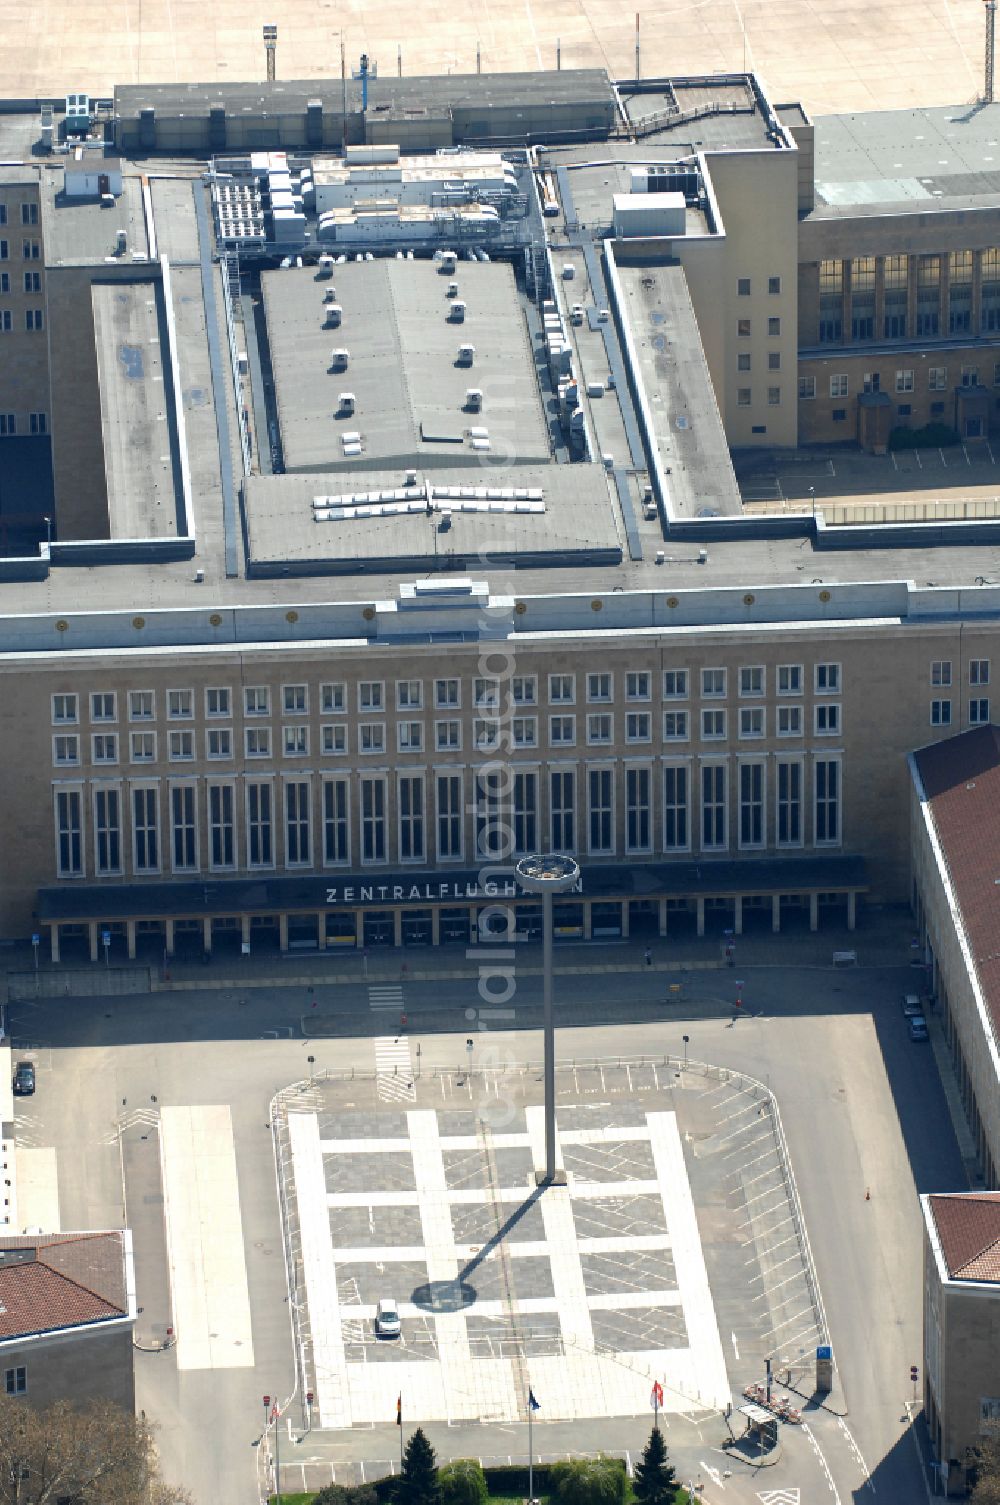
{"x": 67, "y": 1311}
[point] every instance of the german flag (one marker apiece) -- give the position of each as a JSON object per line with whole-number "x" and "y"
{"x": 399, "y": 1410}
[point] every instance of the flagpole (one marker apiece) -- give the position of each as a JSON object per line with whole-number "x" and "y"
{"x": 400, "y": 1411}
{"x": 531, "y": 1457}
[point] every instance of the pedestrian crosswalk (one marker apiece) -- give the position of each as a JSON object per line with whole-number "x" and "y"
{"x": 394, "y": 1070}
{"x": 385, "y": 996}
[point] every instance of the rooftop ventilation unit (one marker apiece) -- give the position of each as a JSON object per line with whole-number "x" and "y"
{"x": 456, "y": 313}
{"x": 466, "y": 355}
{"x": 325, "y": 266}
{"x": 334, "y": 314}
{"x": 339, "y": 359}
{"x": 121, "y": 243}
{"x": 330, "y": 296}
{"x": 347, "y": 402}
{"x": 474, "y": 400}
{"x": 410, "y": 477}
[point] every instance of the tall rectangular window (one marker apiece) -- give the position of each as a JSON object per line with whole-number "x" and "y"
{"x": 601, "y": 812}
{"x": 989, "y": 291}
{"x": 411, "y": 818}
{"x": 336, "y": 826}
{"x": 184, "y": 828}
{"x": 928, "y": 295}
{"x": 562, "y": 809}
{"x": 297, "y": 823}
{"x": 69, "y": 833}
{"x": 373, "y": 819}
{"x": 638, "y": 812}
{"x": 145, "y": 835}
{"x": 827, "y": 801}
{"x": 675, "y": 808}
{"x": 107, "y": 831}
{"x": 494, "y": 837}
{"x": 260, "y": 824}
{"x": 896, "y": 276}
{"x": 525, "y": 811}
{"x": 789, "y": 802}
{"x": 959, "y": 292}
{"x": 449, "y": 815}
{"x": 713, "y": 807}
{"x": 751, "y": 804}
{"x": 221, "y": 834}
{"x": 863, "y": 298}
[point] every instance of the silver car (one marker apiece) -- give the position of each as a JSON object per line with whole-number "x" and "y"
{"x": 387, "y": 1318}
{"x": 911, "y": 1006}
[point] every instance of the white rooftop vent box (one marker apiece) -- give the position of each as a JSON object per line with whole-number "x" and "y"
{"x": 480, "y": 444}
{"x": 452, "y": 289}
{"x": 409, "y": 477}
{"x": 351, "y": 437}
{"x": 456, "y": 312}
{"x": 479, "y": 433}
{"x": 334, "y": 314}
{"x": 474, "y": 399}
{"x": 242, "y": 364}
{"x": 325, "y": 267}
{"x": 352, "y": 449}
{"x": 347, "y": 402}
{"x": 466, "y": 355}
{"x": 648, "y": 214}
{"x": 639, "y": 179}
{"x": 339, "y": 358}
{"x": 576, "y": 313}
{"x": 330, "y": 296}
{"x": 568, "y": 271}
{"x": 121, "y": 243}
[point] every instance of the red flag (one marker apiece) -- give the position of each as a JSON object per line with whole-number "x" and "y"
{"x": 657, "y": 1393}
{"x": 399, "y": 1410}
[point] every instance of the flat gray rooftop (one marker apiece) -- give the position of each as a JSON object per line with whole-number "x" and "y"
{"x": 690, "y": 439}
{"x": 601, "y": 170}
{"x": 173, "y": 218}
{"x": 79, "y": 232}
{"x": 922, "y": 159}
{"x": 573, "y": 521}
{"x": 410, "y": 391}
{"x": 134, "y": 415}
{"x": 726, "y": 113}
{"x": 432, "y": 94}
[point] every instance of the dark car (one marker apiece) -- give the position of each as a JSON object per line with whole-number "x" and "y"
{"x": 918, "y": 1030}
{"x": 24, "y": 1079}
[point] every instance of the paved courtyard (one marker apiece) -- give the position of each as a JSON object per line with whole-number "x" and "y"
{"x": 584, "y": 1293}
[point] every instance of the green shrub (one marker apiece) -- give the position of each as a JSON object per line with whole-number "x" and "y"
{"x": 588, "y": 1481}
{"x": 462, "y": 1482}
{"x": 931, "y": 436}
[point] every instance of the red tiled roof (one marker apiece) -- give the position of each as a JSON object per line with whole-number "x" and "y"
{"x": 968, "y": 1226}
{"x": 961, "y": 778}
{"x": 59, "y": 1281}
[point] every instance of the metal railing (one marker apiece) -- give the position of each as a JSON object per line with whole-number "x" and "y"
{"x": 230, "y": 269}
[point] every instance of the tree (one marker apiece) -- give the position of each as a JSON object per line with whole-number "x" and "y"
{"x": 419, "y": 1479}
{"x": 986, "y": 1461}
{"x": 588, "y": 1481}
{"x": 655, "y": 1481}
{"x": 92, "y": 1455}
{"x": 462, "y": 1482}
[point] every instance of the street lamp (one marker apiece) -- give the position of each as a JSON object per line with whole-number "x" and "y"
{"x": 548, "y": 875}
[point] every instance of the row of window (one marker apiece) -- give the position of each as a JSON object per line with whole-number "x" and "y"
{"x": 860, "y": 279}
{"x": 979, "y": 712}
{"x": 32, "y": 282}
{"x": 34, "y": 319}
{"x": 744, "y": 328}
{"x": 744, "y": 397}
{"x": 38, "y": 423}
{"x": 743, "y": 361}
{"x": 582, "y": 813}
{"x": 294, "y": 700}
{"x": 31, "y": 250}
{"x": 29, "y": 214}
{"x": 488, "y": 735}
{"x": 744, "y": 286}
{"x": 937, "y": 381}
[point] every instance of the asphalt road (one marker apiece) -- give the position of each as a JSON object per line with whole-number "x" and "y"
{"x": 863, "y": 1112}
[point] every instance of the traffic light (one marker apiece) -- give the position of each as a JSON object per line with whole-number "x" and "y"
{"x": 913, "y": 1374}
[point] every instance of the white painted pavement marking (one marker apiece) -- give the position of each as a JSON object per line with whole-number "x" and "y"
{"x": 201, "y": 1209}
{"x": 603, "y": 1301}
{"x": 521, "y": 1249}
{"x": 385, "y": 997}
{"x": 689, "y": 1261}
{"x": 713, "y": 1474}
{"x": 822, "y": 1461}
{"x": 319, "y": 1270}
{"x": 582, "y": 1191}
{"x": 441, "y": 1258}
{"x": 736, "y": 1346}
{"x": 780, "y": 1497}
{"x": 394, "y": 1069}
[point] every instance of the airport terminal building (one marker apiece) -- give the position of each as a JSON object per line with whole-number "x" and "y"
{"x": 391, "y": 529}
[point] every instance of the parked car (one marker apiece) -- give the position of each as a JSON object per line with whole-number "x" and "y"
{"x": 24, "y": 1079}
{"x": 387, "y": 1318}
{"x": 918, "y": 1029}
{"x": 912, "y": 1006}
